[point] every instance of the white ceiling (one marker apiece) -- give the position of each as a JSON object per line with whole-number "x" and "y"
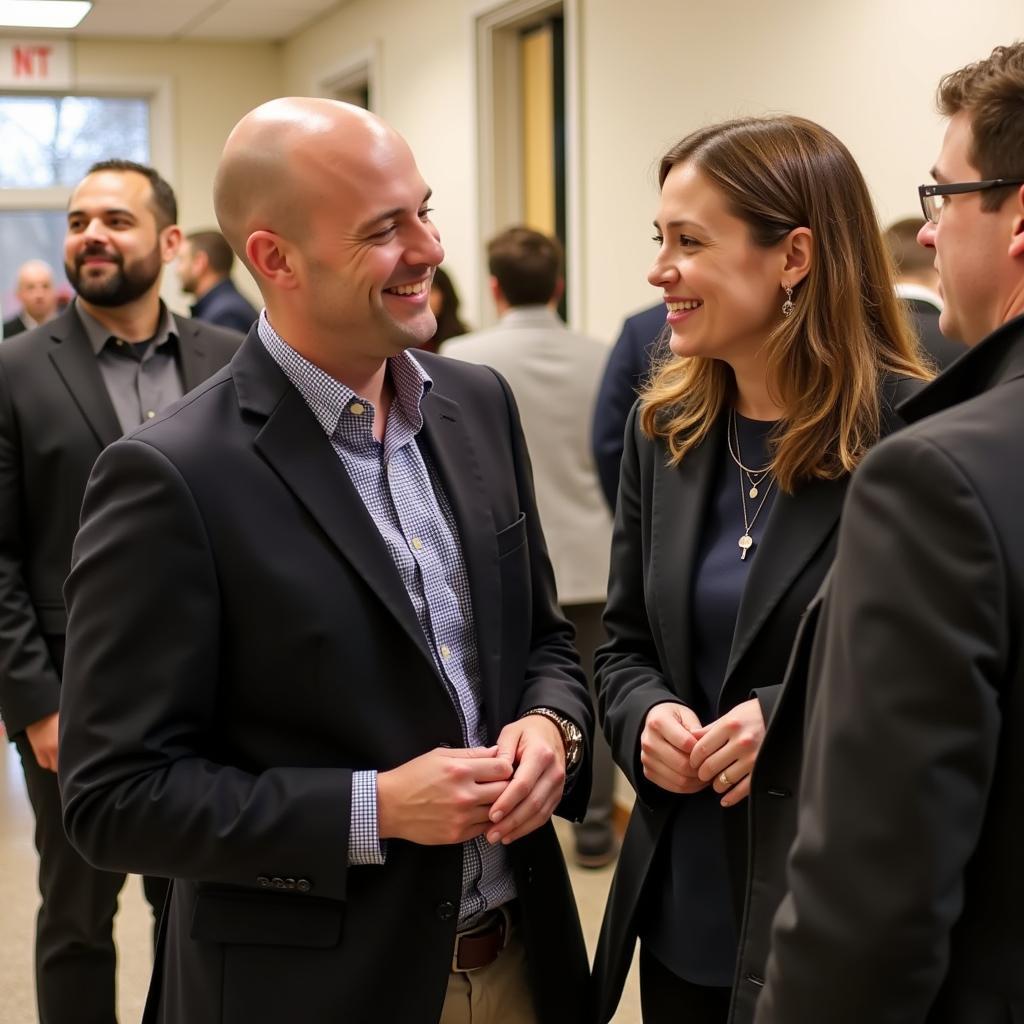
{"x": 201, "y": 19}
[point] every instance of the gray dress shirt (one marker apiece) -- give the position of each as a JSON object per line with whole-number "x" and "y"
{"x": 142, "y": 378}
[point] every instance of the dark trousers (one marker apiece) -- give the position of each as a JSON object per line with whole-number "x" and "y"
{"x": 75, "y": 956}
{"x": 594, "y": 834}
{"x": 665, "y": 998}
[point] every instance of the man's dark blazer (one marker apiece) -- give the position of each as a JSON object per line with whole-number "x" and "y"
{"x": 906, "y": 890}
{"x": 659, "y": 524}
{"x": 225, "y": 306}
{"x": 943, "y": 350}
{"x": 628, "y": 366}
{"x": 14, "y": 326}
{"x": 55, "y": 418}
{"x": 263, "y": 648}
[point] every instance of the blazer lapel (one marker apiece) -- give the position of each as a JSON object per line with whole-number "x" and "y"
{"x": 75, "y": 362}
{"x": 455, "y": 458}
{"x": 196, "y": 365}
{"x": 796, "y": 528}
{"x": 295, "y": 446}
{"x": 680, "y": 500}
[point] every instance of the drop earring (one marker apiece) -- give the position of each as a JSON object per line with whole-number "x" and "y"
{"x": 787, "y": 306}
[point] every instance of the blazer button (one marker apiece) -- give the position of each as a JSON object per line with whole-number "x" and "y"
{"x": 303, "y": 884}
{"x": 263, "y": 882}
{"x": 446, "y": 910}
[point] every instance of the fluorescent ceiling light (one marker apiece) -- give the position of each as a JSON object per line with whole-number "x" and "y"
{"x": 43, "y": 13}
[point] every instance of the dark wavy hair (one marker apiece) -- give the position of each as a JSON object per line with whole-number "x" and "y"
{"x": 448, "y": 323}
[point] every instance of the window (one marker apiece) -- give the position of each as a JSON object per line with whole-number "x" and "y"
{"x": 47, "y": 143}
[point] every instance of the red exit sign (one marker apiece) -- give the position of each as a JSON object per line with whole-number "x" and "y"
{"x": 34, "y": 64}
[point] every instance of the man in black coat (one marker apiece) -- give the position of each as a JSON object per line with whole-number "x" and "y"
{"x": 906, "y": 892}
{"x": 37, "y": 296}
{"x": 204, "y": 269}
{"x": 113, "y": 359}
{"x": 361, "y": 705}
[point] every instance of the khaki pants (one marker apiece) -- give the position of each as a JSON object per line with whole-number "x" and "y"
{"x": 496, "y": 994}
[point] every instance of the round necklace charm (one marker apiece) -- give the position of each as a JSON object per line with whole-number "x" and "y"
{"x": 753, "y": 492}
{"x": 746, "y": 541}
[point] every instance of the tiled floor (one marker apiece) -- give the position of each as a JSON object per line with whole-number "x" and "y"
{"x": 19, "y": 899}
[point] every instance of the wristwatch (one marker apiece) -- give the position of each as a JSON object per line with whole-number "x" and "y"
{"x": 572, "y": 737}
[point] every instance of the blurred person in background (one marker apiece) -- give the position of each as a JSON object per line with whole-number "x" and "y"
{"x": 204, "y": 270}
{"x": 629, "y": 365}
{"x": 37, "y": 295}
{"x": 554, "y": 374}
{"x": 444, "y": 304}
{"x": 917, "y": 284}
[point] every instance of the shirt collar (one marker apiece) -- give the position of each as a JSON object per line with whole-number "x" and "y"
{"x": 908, "y": 290}
{"x": 328, "y": 397}
{"x": 531, "y": 316}
{"x": 99, "y": 335}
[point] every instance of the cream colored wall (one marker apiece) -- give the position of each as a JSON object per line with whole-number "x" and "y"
{"x": 650, "y": 72}
{"x": 211, "y": 86}
{"x": 426, "y": 87}
{"x": 866, "y": 70}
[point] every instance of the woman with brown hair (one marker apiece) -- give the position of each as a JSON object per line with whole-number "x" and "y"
{"x": 788, "y": 354}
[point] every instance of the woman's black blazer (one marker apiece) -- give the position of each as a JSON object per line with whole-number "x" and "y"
{"x": 646, "y": 661}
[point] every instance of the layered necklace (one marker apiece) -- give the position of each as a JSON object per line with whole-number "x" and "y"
{"x": 751, "y": 481}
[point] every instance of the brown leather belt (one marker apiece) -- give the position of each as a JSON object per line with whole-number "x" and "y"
{"x": 480, "y": 945}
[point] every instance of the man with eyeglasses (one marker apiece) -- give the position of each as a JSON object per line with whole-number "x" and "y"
{"x": 906, "y": 891}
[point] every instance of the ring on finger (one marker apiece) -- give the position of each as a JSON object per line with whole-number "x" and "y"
{"x": 724, "y": 779}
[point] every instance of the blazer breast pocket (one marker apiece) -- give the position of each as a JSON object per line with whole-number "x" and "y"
{"x": 513, "y": 537}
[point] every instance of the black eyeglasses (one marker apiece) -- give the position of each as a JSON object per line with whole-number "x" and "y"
{"x": 931, "y": 195}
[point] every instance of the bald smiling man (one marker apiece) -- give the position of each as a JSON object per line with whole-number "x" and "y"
{"x": 357, "y": 705}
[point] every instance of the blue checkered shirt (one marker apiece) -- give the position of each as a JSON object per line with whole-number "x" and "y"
{"x": 404, "y": 496}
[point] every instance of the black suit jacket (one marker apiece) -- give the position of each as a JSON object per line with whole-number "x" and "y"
{"x": 659, "y": 523}
{"x": 906, "y": 889}
{"x": 943, "y": 350}
{"x": 214, "y": 711}
{"x": 14, "y": 326}
{"x": 225, "y": 306}
{"x": 55, "y": 418}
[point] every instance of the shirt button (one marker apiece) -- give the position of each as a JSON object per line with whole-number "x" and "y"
{"x": 417, "y": 544}
{"x": 120, "y": 343}
{"x": 150, "y": 414}
{"x": 357, "y": 409}
{"x": 446, "y": 651}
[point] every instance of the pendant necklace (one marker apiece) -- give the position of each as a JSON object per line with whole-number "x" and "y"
{"x": 755, "y": 478}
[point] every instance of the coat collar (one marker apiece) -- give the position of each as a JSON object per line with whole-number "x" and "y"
{"x": 73, "y": 358}
{"x": 993, "y": 361}
{"x": 798, "y": 526}
{"x": 75, "y": 362}
{"x": 680, "y": 498}
{"x": 295, "y": 446}
{"x": 297, "y": 449}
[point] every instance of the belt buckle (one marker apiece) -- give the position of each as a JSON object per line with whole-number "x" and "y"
{"x": 505, "y": 924}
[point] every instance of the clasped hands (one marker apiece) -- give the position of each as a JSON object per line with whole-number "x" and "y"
{"x": 680, "y": 755}
{"x": 452, "y": 795}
